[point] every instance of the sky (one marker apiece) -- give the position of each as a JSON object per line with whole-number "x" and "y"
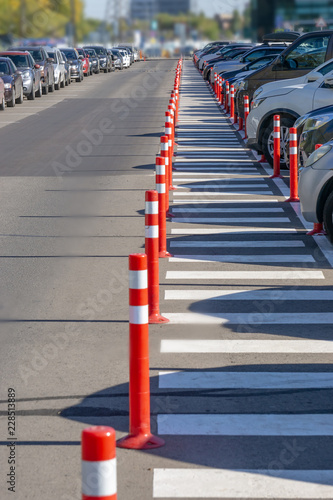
{"x": 96, "y": 8}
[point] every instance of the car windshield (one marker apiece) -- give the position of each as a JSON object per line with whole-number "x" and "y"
{"x": 36, "y": 54}
{"x": 4, "y": 68}
{"x": 20, "y": 61}
{"x": 91, "y": 52}
{"x": 70, "y": 54}
{"x": 81, "y": 52}
{"x": 100, "y": 51}
{"x": 52, "y": 55}
{"x": 116, "y": 52}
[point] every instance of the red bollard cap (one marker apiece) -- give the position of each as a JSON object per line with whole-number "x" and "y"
{"x": 98, "y": 444}
{"x": 138, "y": 262}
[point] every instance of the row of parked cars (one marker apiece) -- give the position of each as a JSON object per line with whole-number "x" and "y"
{"x": 291, "y": 75}
{"x": 32, "y": 71}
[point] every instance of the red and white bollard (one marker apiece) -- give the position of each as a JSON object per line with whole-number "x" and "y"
{"x": 246, "y": 112}
{"x": 99, "y": 463}
{"x": 152, "y": 249}
{"x": 277, "y": 148}
{"x": 232, "y": 102}
{"x": 165, "y": 156}
{"x": 161, "y": 189}
{"x": 140, "y": 437}
{"x": 222, "y": 93}
{"x": 318, "y": 228}
{"x": 240, "y": 121}
{"x": 168, "y": 134}
{"x": 226, "y": 106}
{"x": 215, "y": 84}
{"x": 293, "y": 165}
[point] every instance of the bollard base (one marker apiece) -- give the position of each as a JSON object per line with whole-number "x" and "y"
{"x": 156, "y": 319}
{"x": 317, "y": 230}
{"x": 292, "y": 200}
{"x": 169, "y": 214}
{"x": 172, "y": 188}
{"x": 276, "y": 176}
{"x": 164, "y": 255}
{"x": 140, "y": 442}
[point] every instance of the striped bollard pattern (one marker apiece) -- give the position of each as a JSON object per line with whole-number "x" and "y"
{"x": 168, "y": 134}
{"x": 240, "y": 121}
{"x": 227, "y": 90}
{"x": 152, "y": 249}
{"x": 161, "y": 189}
{"x": 232, "y": 102}
{"x": 215, "y": 84}
{"x": 318, "y": 228}
{"x": 165, "y": 155}
{"x": 277, "y": 148}
{"x": 140, "y": 437}
{"x": 222, "y": 93}
{"x": 99, "y": 463}
{"x": 246, "y": 112}
{"x": 293, "y": 165}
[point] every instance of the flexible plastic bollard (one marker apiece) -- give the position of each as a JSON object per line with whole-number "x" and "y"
{"x": 293, "y": 165}
{"x": 227, "y": 91}
{"x": 246, "y": 112}
{"x": 161, "y": 189}
{"x": 222, "y": 93}
{"x": 99, "y": 463}
{"x": 168, "y": 134}
{"x": 235, "y": 116}
{"x": 215, "y": 83}
{"x": 165, "y": 155}
{"x": 232, "y": 102}
{"x": 151, "y": 249}
{"x": 140, "y": 436}
{"x": 277, "y": 148}
{"x": 240, "y": 121}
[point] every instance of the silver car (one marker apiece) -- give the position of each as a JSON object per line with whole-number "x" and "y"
{"x": 316, "y": 188}
{"x": 58, "y": 66}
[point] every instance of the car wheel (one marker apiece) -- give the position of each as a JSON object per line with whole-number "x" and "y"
{"x": 78, "y": 79}
{"x": 19, "y": 100}
{"x": 32, "y": 96}
{"x": 46, "y": 88}
{"x": 268, "y": 141}
{"x": 40, "y": 90}
{"x": 62, "y": 83}
{"x": 57, "y": 86}
{"x": 11, "y": 104}
{"x": 2, "y": 104}
{"x": 328, "y": 217}
{"x": 51, "y": 87}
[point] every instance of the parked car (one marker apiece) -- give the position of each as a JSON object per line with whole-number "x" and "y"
{"x": 306, "y": 53}
{"x": 290, "y": 102}
{"x": 126, "y": 58}
{"x": 130, "y": 52}
{"x": 75, "y": 61}
{"x": 68, "y": 79}
{"x": 104, "y": 60}
{"x": 58, "y": 66}
{"x": 229, "y": 54}
{"x": 313, "y": 128}
{"x": 315, "y": 188}
{"x": 94, "y": 60}
{"x": 217, "y": 50}
{"x": 118, "y": 59}
{"x": 30, "y": 72}
{"x": 41, "y": 57}
{"x": 13, "y": 82}
{"x": 2, "y": 95}
{"x": 87, "y": 69}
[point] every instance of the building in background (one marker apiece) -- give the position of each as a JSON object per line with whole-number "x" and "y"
{"x": 298, "y": 15}
{"x": 147, "y": 9}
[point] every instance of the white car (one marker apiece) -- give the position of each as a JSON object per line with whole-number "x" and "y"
{"x": 58, "y": 66}
{"x": 290, "y": 102}
{"x": 126, "y": 58}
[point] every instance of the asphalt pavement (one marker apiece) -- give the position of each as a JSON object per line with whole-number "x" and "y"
{"x": 241, "y": 378}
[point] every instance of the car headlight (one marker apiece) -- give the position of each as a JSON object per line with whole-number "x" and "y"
{"x": 317, "y": 122}
{"x": 41, "y": 67}
{"x": 8, "y": 86}
{"x": 243, "y": 85}
{"x": 74, "y": 66}
{"x": 318, "y": 154}
{"x": 257, "y": 102}
{"x": 257, "y": 92}
{"x": 26, "y": 75}
{"x": 118, "y": 61}
{"x": 300, "y": 121}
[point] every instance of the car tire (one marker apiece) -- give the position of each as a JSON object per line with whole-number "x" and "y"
{"x": 328, "y": 217}
{"x": 46, "y": 88}
{"x": 51, "y": 88}
{"x": 3, "y": 104}
{"x": 39, "y": 92}
{"x": 11, "y": 104}
{"x": 57, "y": 86}
{"x": 78, "y": 79}
{"x": 19, "y": 100}
{"x": 32, "y": 95}
{"x": 268, "y": 141}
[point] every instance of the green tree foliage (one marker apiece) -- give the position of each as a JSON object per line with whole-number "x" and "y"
{"x": 207, "y": 28}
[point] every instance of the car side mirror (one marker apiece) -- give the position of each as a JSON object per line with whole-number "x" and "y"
{"x": 329, "y": 81}
{"x": 50, "y": 60}
{"x": 313, "y": 77}
{"x": 37, "y": 66}
{"x": 241, "y": 59}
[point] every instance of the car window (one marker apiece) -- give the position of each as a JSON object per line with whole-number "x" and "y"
{"x": 4, "y": 68}
{"x": 70, "y": 54}
{"x": 36, "y": 54}
{"x": 326, "y": 69}
{"x": 254, "y": 55}
{"x": 20, "y": 61}
{"x": 308, "y": 54}
{"x": 31, "y": 61}
{"x": 52, "y": 55}
{"x": 13, "y": 68}
{"x": 259, "y": 63}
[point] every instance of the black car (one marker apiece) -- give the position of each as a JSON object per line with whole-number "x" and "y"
{"x": 226, "y": 54}
{"x": 105, "y": 62}
{"x": 314, "y": 128}
{"x": 94, "y": 59}
{"x": 75, "y": 61}
{"x": 13, "y": 82}
{"x": 42, "y": 58}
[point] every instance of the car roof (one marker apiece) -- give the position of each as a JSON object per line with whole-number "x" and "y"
{"x": 281, "y": 36}
{"x": 14, "y": 52}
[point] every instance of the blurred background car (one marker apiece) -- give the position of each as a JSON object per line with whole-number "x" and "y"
{"x": 30, "y": 72}
{"x": 13, "y": 82}
{"x": 119, "y": 60}
{"x": 87, "y": 67}
{"x": 58, "y": 67}
{"x": 2, "y": 95}
{"x": 94, "y": 60}
{"x": 42, "y": 58}
{"x": 126, "y": 57}
{"x": 104, "y": 60}
{"x": 67, "y": 66}
{"x": 75, "y": 62}
{"x": 314, "y": 128}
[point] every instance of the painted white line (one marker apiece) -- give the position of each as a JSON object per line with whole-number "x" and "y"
{"x": 197, "y": 176}
{"x": 220, "y": 193}
{"x": 207, "y": 161}
{"x": 237, "y": 244}
{"x": 230, "y": 220}
{"x": 244, "y": 380}
{"x": 247, "y": 346}
{"x": 244, "y": 484}
{"x": 227, "y": 210}
{"x": 246, "y": 425}
{"x": 223, "y": 202}
{"x": 256, "y": 259}
{"x": 268, "y": 294}
{"x": 223, "y": 184}
{"x": 246, "y": 275}
{"x": 235, "y": 230}
{"x": 223, "y": 169}
{"x": 212, "y": 318}
{"x": 220, "y": 179}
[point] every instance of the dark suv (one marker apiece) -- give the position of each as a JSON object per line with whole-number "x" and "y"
{"x": 105, "y": 62}
{"x": 41, "y": 58}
